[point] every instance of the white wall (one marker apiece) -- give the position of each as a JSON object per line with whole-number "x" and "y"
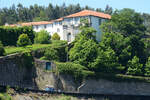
{"x": 51, "y": 28}
{"x": 95, "y": 24}
{"x": 72, "y": 24}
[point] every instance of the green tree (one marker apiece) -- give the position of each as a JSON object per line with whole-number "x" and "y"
{"x": 42, "y": 37}
{"x": 84, "y": 52}
{"x": 147, "y": 68}
{"x": 126, "y": 22}
{"x": 55, "y": 36}
{"x": 23, "y": 40}
{"x": 106, "y": 62}
{"x": 108, "y": 10}
{"x": 130, "y": 24}
{"x": 86, "y": 31}
{"x": 119, "y": 44}
{"x": 2, "y": 51}
{"x": 134, "y": 67}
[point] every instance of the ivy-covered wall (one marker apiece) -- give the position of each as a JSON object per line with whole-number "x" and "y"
{"x": 15, "y": 70}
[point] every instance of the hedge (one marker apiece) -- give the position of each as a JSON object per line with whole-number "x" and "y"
{"x": 2, "y": 51}
{"x": 9, "y": 35}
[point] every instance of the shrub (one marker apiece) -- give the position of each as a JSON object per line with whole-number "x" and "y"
{"x": 147, "y": 68}
{"x": 134, "y": 67}
{"x": 42, "y": 37}
{"x": 23, "y": 40}
{"x": 55, "y": 36}
{"x": 51, "y": 54}
{"x": 2, "y": 51}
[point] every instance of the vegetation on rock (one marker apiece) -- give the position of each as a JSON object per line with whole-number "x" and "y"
{"x": 2, "y": 50}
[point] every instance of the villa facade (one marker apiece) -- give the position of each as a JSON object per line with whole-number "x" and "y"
{"x": 68, "y": 27}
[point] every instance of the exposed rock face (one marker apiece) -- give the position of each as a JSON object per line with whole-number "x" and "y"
{"x": 12, "y": 72}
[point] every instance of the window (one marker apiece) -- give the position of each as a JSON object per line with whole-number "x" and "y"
{"x": 58, "y": 30}
{"x": 60, "y": 23}
{"x": 48, "y": 66}
{"x": 100, "y": 21}
{"x": 37, "y": 27}
{"x": 69, "y": 37}
{"x": 65, "y": 27}
{"x": 45, "y": 26}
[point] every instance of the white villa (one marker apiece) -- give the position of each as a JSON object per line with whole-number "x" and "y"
{"x": 68, "y": 27}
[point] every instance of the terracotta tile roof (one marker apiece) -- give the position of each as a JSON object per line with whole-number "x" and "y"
{"x": 32, "y": 23}
{"x": 60, "y": 19}
{"x": 81, "y": 13}
{"x": 36, "y": 23}
{"x": 89, "y": 12}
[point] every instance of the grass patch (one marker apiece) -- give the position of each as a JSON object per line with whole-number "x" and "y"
{"x": 121, "y": 77}
{"x": 12, "y": 49}
{"x": 5, "y": 96}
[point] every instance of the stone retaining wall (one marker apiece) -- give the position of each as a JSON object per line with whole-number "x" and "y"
{"x": 13, "y": 74}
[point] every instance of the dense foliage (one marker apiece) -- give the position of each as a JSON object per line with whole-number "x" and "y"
{"x": 42, "y": 37}
{"x": 147, "y": 68}
{"x": 23, "y": 40}
{"x": 127, "y": 22}
{"x": 2, "y": 51}
{"x": 55, "y": 36}
{"x": 134, "y": 67}
{"x": 84, "y": 52}
{"x": 125, "y": 37}
{"x": 56, "y": 52}
{"x": 40, "y": 13}
{"x": 9, "y": 35}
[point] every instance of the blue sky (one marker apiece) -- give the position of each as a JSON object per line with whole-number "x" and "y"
{"x": 138, "y": 5}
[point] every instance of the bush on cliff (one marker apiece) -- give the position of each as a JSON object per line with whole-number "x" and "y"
{"x": 23, "y": 40}
{"x": 147, "y": 68}
{"x": 76, "y": 70}
{"x": 2, "y": 51}
{"x": 134, "y": 67}
{"x": 57, "y": 51}
{"x": 51, "y": 54}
